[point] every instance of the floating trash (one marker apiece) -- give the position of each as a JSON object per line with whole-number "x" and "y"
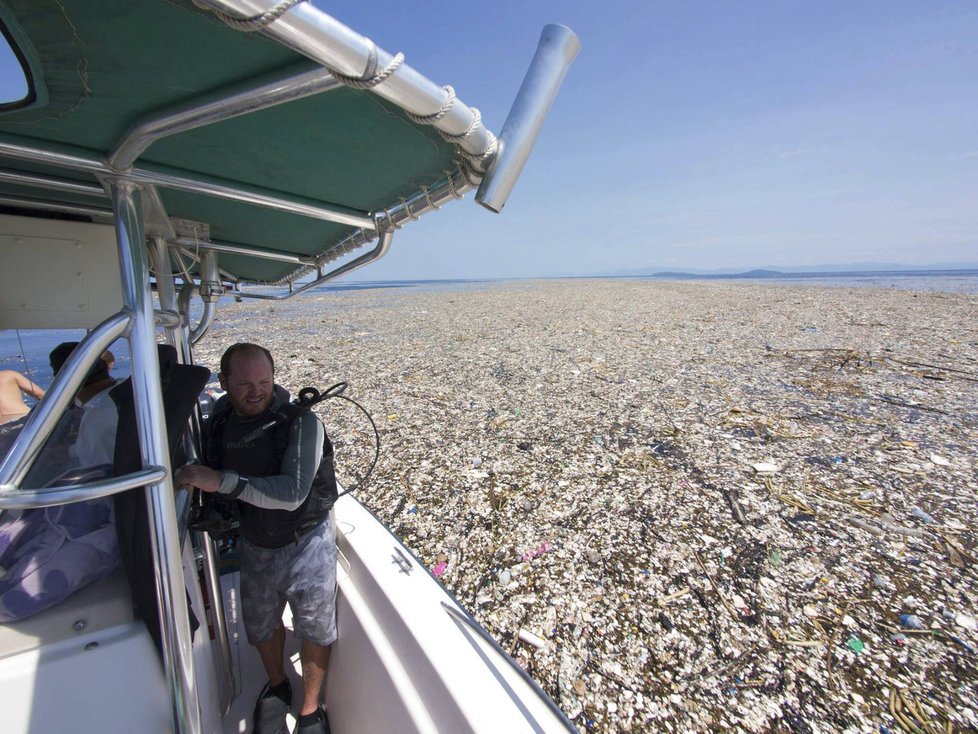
{"x": 531, "y": 639}
{"x": 923, "y": 516}
{"x": 529, "y": 555}
{"x": 911, "y": 622}
{"x": 966, "y": 621}
{"x": 631, "y": 464}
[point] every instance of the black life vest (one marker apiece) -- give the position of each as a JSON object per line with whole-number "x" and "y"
{"x": 237, "y": 445}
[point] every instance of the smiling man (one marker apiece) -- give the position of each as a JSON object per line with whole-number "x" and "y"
{"x": 275, "y": 460}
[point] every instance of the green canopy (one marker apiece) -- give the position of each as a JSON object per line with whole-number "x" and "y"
{"x": 98, "y": 68}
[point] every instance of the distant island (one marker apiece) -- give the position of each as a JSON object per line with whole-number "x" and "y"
{"x": 800, "y": 271}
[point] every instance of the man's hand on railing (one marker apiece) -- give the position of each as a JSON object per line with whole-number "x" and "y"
{"x": 195, "y": 475}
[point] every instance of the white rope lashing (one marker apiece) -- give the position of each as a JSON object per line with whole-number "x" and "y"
{"x": 371, "y": 78}
{"x": 257, "y": 22}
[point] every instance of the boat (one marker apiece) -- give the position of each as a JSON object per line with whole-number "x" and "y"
{"x": 170, "y": 153}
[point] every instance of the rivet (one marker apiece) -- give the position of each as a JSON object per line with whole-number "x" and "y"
{"x": 79, "y": 625}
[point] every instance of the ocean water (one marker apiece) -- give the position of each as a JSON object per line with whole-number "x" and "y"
{"x": 26, "y": 350}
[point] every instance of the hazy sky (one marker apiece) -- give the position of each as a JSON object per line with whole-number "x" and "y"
{"x": 706, "y": 134}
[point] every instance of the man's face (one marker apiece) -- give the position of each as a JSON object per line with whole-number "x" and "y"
{"x": 249, "y": 383}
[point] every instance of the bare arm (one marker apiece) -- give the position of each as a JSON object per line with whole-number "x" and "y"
{"x": 27, "y": 387}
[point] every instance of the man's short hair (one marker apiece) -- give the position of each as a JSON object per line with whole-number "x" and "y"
{"x": 59, "y": 355}
{"x": 243, "y": 348}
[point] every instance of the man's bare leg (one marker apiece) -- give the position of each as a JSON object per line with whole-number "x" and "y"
{"x": 272, "y": 653}
{"x": 314, "y": 659}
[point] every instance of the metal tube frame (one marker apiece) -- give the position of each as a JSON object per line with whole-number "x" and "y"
{"x": 381, "y": 248}
{"x": 177, "y": 337}
{"x": 17, "y": 151}
{"x": 313, "y": 33}
{"x": 234, "y": 249}
{"x": 556, "y": 51}
{"x": 210, "y": 291}
{"x": 148, "y": 399}
{"x": 43, "y": 420}
{"x": 26, "y": 202}
{"x": 20, "y": 178}
{"x": 453, "y": 187}
{"x": 13, "y": 497}
{"x": 287, "y": 87}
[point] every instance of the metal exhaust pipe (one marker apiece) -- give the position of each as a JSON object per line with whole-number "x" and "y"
{"x": 556, "y": 51}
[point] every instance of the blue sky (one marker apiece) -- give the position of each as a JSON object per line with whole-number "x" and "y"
{"x": 717, "y": 134}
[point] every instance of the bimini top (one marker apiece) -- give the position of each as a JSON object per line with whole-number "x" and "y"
{"x": 267, "y": 131}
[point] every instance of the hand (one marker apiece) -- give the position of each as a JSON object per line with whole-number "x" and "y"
{"x": 203, "y": 478}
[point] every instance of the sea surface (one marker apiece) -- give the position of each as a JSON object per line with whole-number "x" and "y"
{"x": 26, "y": 350}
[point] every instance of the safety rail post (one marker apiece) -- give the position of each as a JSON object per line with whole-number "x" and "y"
{"x": 148, "y": 399}
{"x": 177, "y": 337}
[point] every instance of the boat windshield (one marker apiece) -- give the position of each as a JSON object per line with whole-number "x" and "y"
{"x": 14, "y": 87}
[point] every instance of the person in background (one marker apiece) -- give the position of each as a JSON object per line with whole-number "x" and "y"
{"x": 13, "y": 386}
{"x": 99, "y": 380}
{"x": 275, "y": 460}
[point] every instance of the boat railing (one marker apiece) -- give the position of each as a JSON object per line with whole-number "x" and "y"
{"x": 44, "y": 419}
{"x": 16, "y": 498}
{"x": 467, "y": 621}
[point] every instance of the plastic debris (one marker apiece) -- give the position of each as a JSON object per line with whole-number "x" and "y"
{"x": 855, "y": 644}
{"x": 961, "y": 643}
{"x": 504, "y": 577}
{"x": 966, "y": 621}
{"x": 766, "y": 467}
{"x": 536, "y": 552}
{"x": 531, "y": 639}
{"x": 863, "y": 525}
{"x": 881, "y": 582}
{"x": 775, "y": 558}
{"x": 923, "y": 516}
{"x": 911, "y": 622}
{"x": 899, "y": 639}
{"x": 939, "y": 460}
{"x": 440, "y": 568}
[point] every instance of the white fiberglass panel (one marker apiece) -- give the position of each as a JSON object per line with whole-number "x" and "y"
{"x": 57, "y": 274}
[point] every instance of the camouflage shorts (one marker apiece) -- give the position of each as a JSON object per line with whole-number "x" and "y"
{"x": 302, "y": 574}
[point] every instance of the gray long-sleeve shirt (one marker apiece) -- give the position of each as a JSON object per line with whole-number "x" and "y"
{"x": 288, "y": 489}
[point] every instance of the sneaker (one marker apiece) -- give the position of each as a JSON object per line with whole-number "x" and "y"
{"x": 270, "y": 711}
{"x": 320, "y": 725}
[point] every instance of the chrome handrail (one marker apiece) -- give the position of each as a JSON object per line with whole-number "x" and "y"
{"x": 15, "y": 498}
{"x": 43, "y": 420}
{"x": 164, "y": 535}
{"x": 380, "y": 249}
